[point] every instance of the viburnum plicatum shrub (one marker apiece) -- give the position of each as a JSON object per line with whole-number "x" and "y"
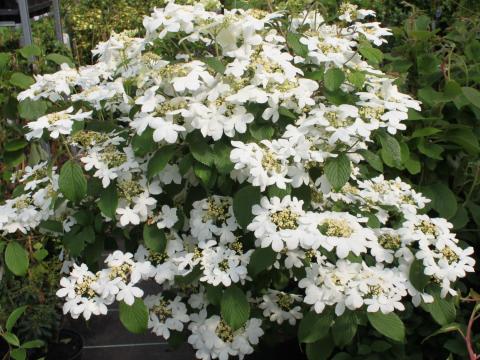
{"x": 230, "y": 146}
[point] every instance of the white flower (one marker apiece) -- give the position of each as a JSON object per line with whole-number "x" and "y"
{"x": 280, "y": 224}
{"x": 279, "y": 306}
{"x": 212, "y": 338}
{"x": 166, "y": 315}
{"x": 222, "y": 265}
{"x": 344, "y": 232}
{"x": 58, "y": 123}
{"x": 128, "y": 216}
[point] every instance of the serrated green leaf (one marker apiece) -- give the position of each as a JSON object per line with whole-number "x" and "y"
{"x": 134, "y": 317}
{"x": 33, "y": 344}
{"x": 15, "y": 145}
{"x": 215, "y": 64}
{"x": 72, "y": 182}
{"x": 16, "y": 258}
{"x": 321, "y": 349}
{"x": 243, "y": 202}
{"x": 338, "y": 170}
{"x": 389, "y": 325}
{"x": 442, "y": 310}
{"x": 222, "y": 158}
{"x": 108, "y": 202}
{"x": 154, "y": 238}
{"x": 472, "y": 95}
{"x": 12, "y": 339}
{"x": 391, "y": 152}
{"x": 373, "y": 159}
{"x": 372, "y": 55}
{"x": 314, "y": 327}
{"x": 417, "y": 275}
{"x": 60, "y": 59}
{"x": 29, "y": 51}
{"x": 200, "y": 149}
{"x": 18, "y": 354}
{"x": 160, "y": 159}
{"x": 261, "y": 259}
{"x": 21, "y": 80}
{"x": 13, "y": 317}
{"x": 333, "y": 79}
{"x": 344, "y": 328}
{"x": 234, "y": 307}
{"x": 293, "y": 41}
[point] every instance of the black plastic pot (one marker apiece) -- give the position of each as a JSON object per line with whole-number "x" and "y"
{"x": 68, "y": 347}
{"x": 3, "y": 348}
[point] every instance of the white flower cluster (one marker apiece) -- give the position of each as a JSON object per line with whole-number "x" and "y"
{"x": 173, "y": 124}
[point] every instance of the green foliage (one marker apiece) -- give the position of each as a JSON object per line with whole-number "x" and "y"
{"x": 134, "y": 317}
{"x": 234, "y": 306}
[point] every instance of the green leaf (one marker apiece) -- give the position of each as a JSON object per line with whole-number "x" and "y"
{"x": 413, "y": 165}
{"x": 261, "y": 131}
{"x": 144, "y": 143}
{"x": 422, "y": 132}
{"x": 21, "y": 81}
{"x": 316, "y": 75}
{"x": 391, "y": 151}
{"x": 160, "y": 159}
{"x": 12, "y": 339}
{"x": 472, "y": 95}
{"x": 442, "y": 310}
{"x": 293, "y": 41}
{"x": 60, "y": 59}
{"x": 373, "y": 159}
{"x": 16, "y": 258}
{"x": 431, "y": 150}
{"x": 214, "y": 294}
{"x": 372, "y": 55}
{"x": 205, "y": 173}
{"x": 109, "y": 201}
{"x": 134, "y": 317}
{"x": 314, "y": 327}
{"x": 467, "y": 139}
{"x": 18, "y": 354}
{"x": 389, "y": 325}
{"x": 234, "y": 307}
{"x": 222, "y": 158}
{"x": 356, "y": 78}
{"x": 243, "y": 201}
{"x": 74, "y": 243}
{"x": 338, "y": 170}
{"x": 261, "y": 259}
{"x": 33, "y": 344}
{"x": 14, "y": 145}
{"x": 333, "y": 79}
{"x": 29, "y": 51}
{"x": 200, "y": 149}
{"x": 344, "y": 328}
{"x": 72, "y": 182}
{"x": 4, "y": 60}
{"x": 474, "y": 210}
{"x": 215, "y": 64}
{"x": 445, "y": 329}
{"x": 321, "y": 349}
{"x": 417, "y": 275}
{"x": 154, "y": 238}
{"x": 52, "y": 225}
{"x": 14, "y": 316}
{"x": 444, "y": 201}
